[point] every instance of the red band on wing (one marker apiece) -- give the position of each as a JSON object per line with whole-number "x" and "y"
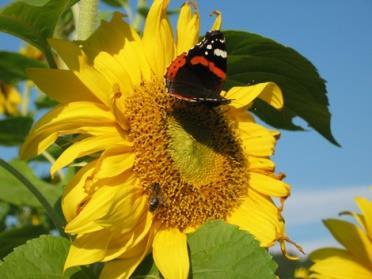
{"x": 213, "y": 68}
{"x": 176, "y": 64}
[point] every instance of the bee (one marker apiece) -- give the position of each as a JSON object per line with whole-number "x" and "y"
{"x": 155, "y": 197}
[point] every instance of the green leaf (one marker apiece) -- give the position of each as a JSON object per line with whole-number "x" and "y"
{"x": 4, "y": 210}
{"x": 219, "y": 250}
{"x": 13, "y": 130}
{"x": 44, "y": 101}
{"x": 43, "y": 257}
{"x": 13, "y": 66}
{"x": 34, "y": 24}
{"x": 14, "y": 192}
{"x": 14, "y": 237}
{"x": 254, "y": 59}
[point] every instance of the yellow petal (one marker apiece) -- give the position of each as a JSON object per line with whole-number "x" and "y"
{"x": 158, "y": 38}
{"x": 259, "y": 216}
{"x": 96, "y": 207}
{"x": 258, "y": 164}
{"x": 256, "y": 140}
{"x": 121, "y": 41}
{"x": 124, "y": 266}
{"x": 188, "y": 26}
{"x": 74, "y": 194}
{"x": 88, "y": 248}
{"x": 352, "y": 238}
{"x": 72, "y": 118}
{"x": 121, "y": 244}
{"x": 78, "y": 62}
{"x": 337, "y": 264}
{"x": 85, "y": 147}
{"x": 121, "y": 268}
{"x": 366, "y": 207}
{"x": 170, "y": 254}
{"x": 127, "y": 207}
{"x": 268, "y": 185}
{"x": 218, "y": 21}
{"x": 243, "y": 97}
{"x": 114, "y": 72}
{"x": 115, "y": 161}
{"x": 61, "y": 85}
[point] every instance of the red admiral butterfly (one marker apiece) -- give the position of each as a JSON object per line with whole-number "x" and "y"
{"x": 198, "y": 75}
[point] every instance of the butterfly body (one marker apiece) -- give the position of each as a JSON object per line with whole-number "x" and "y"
{"x": 198, "y": 75}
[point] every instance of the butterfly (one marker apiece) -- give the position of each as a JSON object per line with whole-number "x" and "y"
{"x": 199, "y": 74}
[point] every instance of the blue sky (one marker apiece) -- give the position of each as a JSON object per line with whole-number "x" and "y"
{"x": 335, "y": 35}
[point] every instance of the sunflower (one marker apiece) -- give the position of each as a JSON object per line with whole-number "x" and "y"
{"x": 355, "y": 261}
{"x": 157, "y": 167}
{"x": 9, "y": 99}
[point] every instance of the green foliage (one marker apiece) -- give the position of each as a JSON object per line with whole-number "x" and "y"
{"x": 254, "y": 59}
{"x": 43, "y": 257}
{"x": 13, "y": 66}
{"x": 34, "y": 24}
{"x": 14, "y": 237}
{"x": 44, "y": 101}
{"x": 4, "y": 210}
{"x": 147, "y": 270}
{"x": 220, "y": 250}
{"x": 13, "y": 130}
{"x": 14, "y": 192}
{"x": 287, "y": 267}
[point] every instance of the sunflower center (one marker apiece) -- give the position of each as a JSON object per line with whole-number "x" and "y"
{"x": 187, "y": 156}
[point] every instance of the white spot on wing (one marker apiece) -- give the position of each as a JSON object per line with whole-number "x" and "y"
{"x": 219, "y": 52}
{"x": 206, "y": 53}
{"x": 209, "y": 46}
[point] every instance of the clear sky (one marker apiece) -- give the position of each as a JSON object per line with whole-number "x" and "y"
{"x": 336, "y": 36}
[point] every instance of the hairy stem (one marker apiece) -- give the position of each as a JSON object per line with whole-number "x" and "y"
{"x": 88, "y": 14}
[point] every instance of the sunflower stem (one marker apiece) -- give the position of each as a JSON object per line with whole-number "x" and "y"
{"x": 58, "y": 223}
{"x": 88, "y": 14}
{"x": 49, "y": 57}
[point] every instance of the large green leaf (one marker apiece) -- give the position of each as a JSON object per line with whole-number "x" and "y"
{"x": 219, "y": 250}
{"x": 13, "y": 130}
{"x": 14, "y": 237}
{"x": 254, "y": 59}
{"x": 14, "y": 192}
{"x": 43, "y": 257}
{"x": 13, "y": 66}
{"x": 33, "y": 21}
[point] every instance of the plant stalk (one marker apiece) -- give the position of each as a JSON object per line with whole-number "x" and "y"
{"x": 88, "y": 14}
{"x": 48, "y": 208}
